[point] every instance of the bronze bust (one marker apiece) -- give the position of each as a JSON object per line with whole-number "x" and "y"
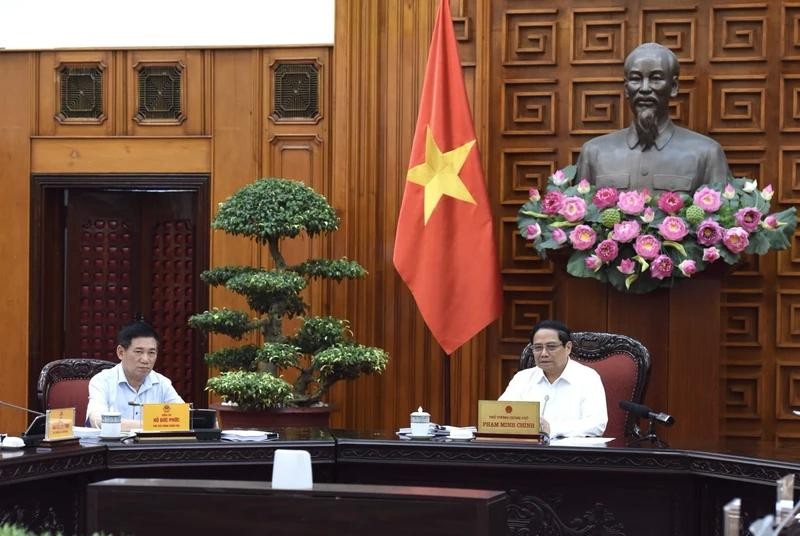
{"x": 652, "y": 152}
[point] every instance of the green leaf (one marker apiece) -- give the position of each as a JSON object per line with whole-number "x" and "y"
{"x": 630, "y": 280}
{"x": 275, "y": 208}
{"x": 676, "y": 245}
{"x": 758, "y": 244}
{"x": 224, "y": 321}
{"x": 330, "y": 269}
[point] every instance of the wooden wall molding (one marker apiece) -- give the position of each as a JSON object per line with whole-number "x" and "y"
{"x": 121, "y": 155}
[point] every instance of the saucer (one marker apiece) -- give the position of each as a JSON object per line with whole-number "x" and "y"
{"x": 10, "y": 448}
{"x": 111, "y": 438}
{"x": 420, "y": 437}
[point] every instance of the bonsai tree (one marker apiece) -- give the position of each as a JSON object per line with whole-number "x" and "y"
{"x": 322, "y": 350}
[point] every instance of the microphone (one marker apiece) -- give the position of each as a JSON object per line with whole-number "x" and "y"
{"x": 9, "y": 404}
{"x": 544, "y": 406}
{"x": 541, "y": 416}
{"x": 643, "y": 411}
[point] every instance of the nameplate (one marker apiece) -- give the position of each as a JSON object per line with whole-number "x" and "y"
{"x": 502, "y": 418}
{"x": 59, "y": 424}
{"x": 170, "y": 417}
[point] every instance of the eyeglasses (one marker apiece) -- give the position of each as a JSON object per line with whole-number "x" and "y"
{"x": 551, "y": 347}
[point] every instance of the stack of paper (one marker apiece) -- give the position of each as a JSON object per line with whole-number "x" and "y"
{"x": 82, "y": 431}
{"x": 247, "y": 435}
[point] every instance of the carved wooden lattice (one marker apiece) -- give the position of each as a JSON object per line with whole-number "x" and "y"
{"x": 296, "y": 91}
{"x": 172, "y": 300}
{"x": 160, "y": 96}
{"x": 105, "y": 286}
{"x": 80, "y": 93}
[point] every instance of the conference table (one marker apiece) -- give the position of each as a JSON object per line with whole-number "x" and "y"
{"x": 552, "y": 489}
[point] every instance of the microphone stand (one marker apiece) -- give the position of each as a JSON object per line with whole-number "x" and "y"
{"x": 651, "y": 436}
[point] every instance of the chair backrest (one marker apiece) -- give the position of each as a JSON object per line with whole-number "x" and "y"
{"x": 64, "y": 383}
{"x": 622, "y": 363}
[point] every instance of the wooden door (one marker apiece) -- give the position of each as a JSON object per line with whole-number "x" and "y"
{"x": 131, "y": 254}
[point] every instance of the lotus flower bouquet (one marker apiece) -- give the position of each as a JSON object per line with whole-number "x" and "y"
{"x": 639, "y": 240}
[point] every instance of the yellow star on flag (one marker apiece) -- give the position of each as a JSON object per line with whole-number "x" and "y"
{"x": 438, "y": 174}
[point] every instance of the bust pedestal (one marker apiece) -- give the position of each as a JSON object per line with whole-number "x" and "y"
{"x": 680, "y": 327}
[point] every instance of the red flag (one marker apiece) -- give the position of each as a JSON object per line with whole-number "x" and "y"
{"x": 445, "y": 247}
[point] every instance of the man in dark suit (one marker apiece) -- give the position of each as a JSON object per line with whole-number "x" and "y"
{"x": 652, "y": 152}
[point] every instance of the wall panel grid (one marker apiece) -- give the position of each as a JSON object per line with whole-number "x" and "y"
{"x": 557, "y": 70}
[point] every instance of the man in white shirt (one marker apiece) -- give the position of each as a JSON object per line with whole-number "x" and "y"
{"x": 571, "y": 396}
{"x": 132, "y": 381}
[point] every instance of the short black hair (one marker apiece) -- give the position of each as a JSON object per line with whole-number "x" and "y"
{"x": 564, "y": 333}
{"x": 134, "y": 330}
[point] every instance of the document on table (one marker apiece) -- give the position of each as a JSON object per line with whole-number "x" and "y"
{"x": 580, "y": 441}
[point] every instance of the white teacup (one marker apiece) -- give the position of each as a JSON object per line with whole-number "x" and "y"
{"x": 110, "y": 424}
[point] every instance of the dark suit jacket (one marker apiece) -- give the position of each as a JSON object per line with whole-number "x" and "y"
{"x": 681, "y": 160}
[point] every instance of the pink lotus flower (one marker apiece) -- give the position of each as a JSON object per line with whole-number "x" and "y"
{"x": 559, "y": 236}
{"x": 750, "y": 186}
{"x": 771, "y": 222}
{"x": 710, "y": 254}
{"x": 582, "y": 237}
{"x": 709, "y": 233}
{"x": 533, "y": 194}
{"x": 559, "y": 178}
{"x": 605, "y": 197}
{"x": 552, "y": 202}
{"x": 673, "y": 228}
{"x": 626, "y": 230}
{"x": 573, "y": 208}
{"x": 688, "y": 267}
{"x": 533, "y": 231}
{"x": 607, "y": 250}
{"x": 647, "y": 246}
{"x": 626, "y": 266}
{"x": 729, "y": 192}
{"x": 661, "y": 267}
{"x": 631, "y": 202}
{"x": 670, "y": 202}
{"x": 593, "y": 262}
{"x": 649, "y": 215}
{"x": 767, "y": 193}
{"x": 584, "y": 187}
{"x": 748, "y": 218}
{"x": 707, "y": 199}
{"x": 735, "y": 239}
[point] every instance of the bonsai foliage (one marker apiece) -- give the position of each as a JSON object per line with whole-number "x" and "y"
{"x": 322, "y": 350}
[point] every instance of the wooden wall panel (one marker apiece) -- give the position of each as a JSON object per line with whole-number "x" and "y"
{"x": 121, "y": 155}
{"x": 236, "y": 133}
{"x": 48, "y": 104}
{"x": 193, "y": 64}
{"x": 737, "y": 84}
{"x": 17, "y": 76}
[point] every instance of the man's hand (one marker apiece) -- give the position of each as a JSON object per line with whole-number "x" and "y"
{"x": 94, "y": 420}
{"x": 130, "y": 424}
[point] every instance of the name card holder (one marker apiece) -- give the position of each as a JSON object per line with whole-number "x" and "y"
{"x": 59, "y": 429}
{"x": 507, "y": 420}
{"x": 170, "y": 417}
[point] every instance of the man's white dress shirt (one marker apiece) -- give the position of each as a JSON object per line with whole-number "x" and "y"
{"x": 109, "y": 390}
{"x": 576, "y": 401}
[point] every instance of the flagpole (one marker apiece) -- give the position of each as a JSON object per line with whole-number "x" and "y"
{"x": 446, "y": 388}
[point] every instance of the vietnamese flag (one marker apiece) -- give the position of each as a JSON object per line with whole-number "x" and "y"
{"x": 445, "y": 247}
